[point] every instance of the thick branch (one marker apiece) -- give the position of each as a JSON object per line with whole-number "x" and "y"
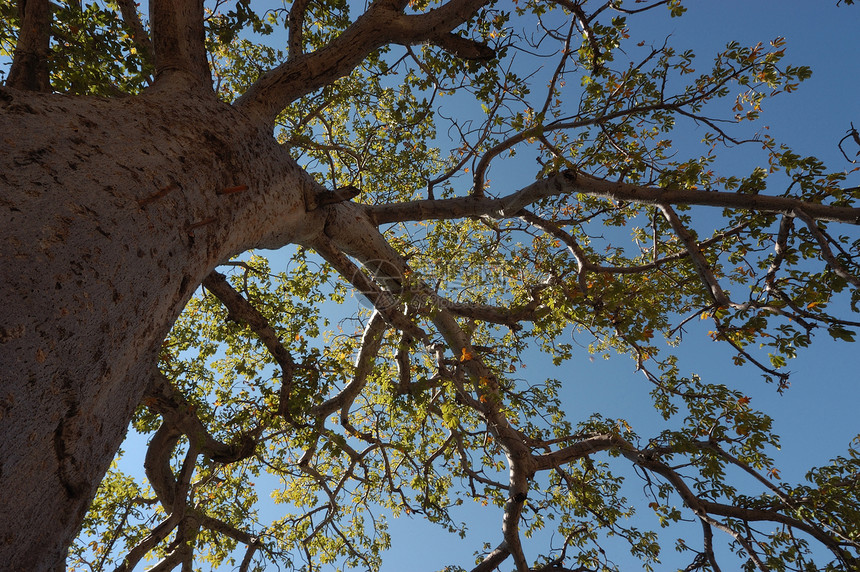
{"x": 461, "y": 207}
{"x": 437, "y": 21}
{"x": 384, "y": 301}
{"x": 249, "y": 556}
{"x": 780, "y": 248}
{"x": 508, "y": 316}
{"x": 323, "y": 198}
{"x": 302, "y": 74}
{"x": 178, "y": 40}
{"x": 383, "y": 23}
{"x": 492, "y": 560}
{"x": 570, "y": 183}
{"x": 156, "y": 464}
{"x": 708, "y": 539}
{"x": 578, "y": 450}
{"x": 29, "y": 68}
{"x": 464, "y": 47}
{"x": 521, "y": 467}
{"x": 224, "y": 528}
{"x": 178, "y": 556}
{"x": 171, "y": 492}
{"x": 297, "y": 21}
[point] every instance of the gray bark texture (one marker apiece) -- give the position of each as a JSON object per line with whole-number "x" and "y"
{"x": 111, "y": 214}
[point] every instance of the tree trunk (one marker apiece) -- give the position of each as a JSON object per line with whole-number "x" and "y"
{"x": 112, "y": 212}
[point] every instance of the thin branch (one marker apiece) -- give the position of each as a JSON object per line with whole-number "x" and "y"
{"x": 702, "y": 507}
{"x": 244, "y": 312}
{"x": 699, "y": 262}
{"x": 150, "y": 541}
{"x": 780, "y": 247}
{"x": 587, "y": 32}
{"x": 574, "y": 122}
{"x": 585, "y": 265}
{"x": 371, "y": 342}
{"x": 617, "y": 7}
{"x": 853, "y": 134}
{"x": 781, "y": 376}
{"x": 826, "y": 253}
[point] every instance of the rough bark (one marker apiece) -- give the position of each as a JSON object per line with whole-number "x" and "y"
{"x": 178, "y": 40}
{"x": 29, "y": 68}
{"x": 112, "y": 213}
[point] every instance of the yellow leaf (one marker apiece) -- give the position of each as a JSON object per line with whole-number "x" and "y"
{"x": 466, "y": 355}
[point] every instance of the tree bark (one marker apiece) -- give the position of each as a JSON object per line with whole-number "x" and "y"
{"x": 29, "y": 69}
{"x": 112, "y": 213}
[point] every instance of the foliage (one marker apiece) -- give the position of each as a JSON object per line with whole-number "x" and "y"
{"x": 273, "y": 385}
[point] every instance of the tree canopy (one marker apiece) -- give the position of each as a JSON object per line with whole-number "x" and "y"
{"x": 502, "y": 183}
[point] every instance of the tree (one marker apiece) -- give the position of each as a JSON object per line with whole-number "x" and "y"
{"x": 143, "y": 150}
